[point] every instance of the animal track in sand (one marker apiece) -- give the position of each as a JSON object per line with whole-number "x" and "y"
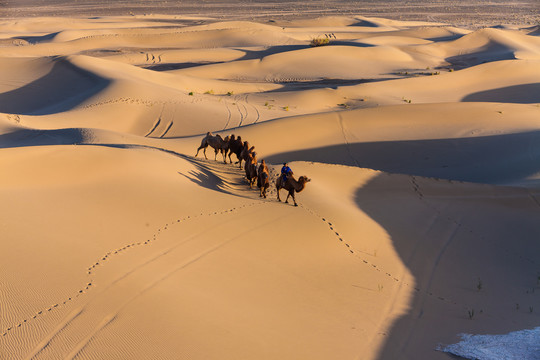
{"x": 374, "y": 266}
{"x": 108, "y": 256}
{"x": 125, "y": 100}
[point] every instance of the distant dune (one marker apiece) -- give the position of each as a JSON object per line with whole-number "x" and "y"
{"x": 420, "y": 136}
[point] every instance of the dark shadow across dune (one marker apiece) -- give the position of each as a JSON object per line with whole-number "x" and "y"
{"x": 35, "y": 137}
{"x": 517, "y": 94}
{"x": 449, "y": 235}
{"x": 485, "y": 159}
{"x": 62, "y": 89}
{"x": 488, "y": 54}
{"x": 39, "y": 39}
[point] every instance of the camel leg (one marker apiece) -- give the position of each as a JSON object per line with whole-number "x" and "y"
{"x": 215, "y": 154}
{"x": 291, "y": 193}
{"x": 204, "y": 152}
{"x": 277, "y": 190}
{"x": 200, "y": 147}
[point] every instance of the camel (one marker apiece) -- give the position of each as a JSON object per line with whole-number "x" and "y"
{"x": 292, "y": 186}
{"x": 235, "y": 147}
{"x": 263, "y": 177}
{"x": 217, "y": 143}
{"x": 251, "y": 169}
{"x": 246, "y": 151}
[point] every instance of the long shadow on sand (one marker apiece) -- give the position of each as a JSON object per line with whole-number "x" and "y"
{"x": 204, "y": 176}
{"x": 484, "y": 159}
{"x": 452, "y": 237}
{"x": 517, "y": 94}
{"x": 63, "y": 88}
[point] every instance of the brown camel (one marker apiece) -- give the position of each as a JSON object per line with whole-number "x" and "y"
{"x": 246, "y": 151}
{"x": 292, "y": 186}
{"x": 235, "y": 147}
{"x": 251, "y": 169}
{"x": 263, "y": 177}
{"x": 216, "y": 142}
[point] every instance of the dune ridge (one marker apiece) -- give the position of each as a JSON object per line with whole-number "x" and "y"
{"x": 421, "y": 139}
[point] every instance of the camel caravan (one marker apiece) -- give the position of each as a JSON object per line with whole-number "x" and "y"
{"x": 255, "y": 172}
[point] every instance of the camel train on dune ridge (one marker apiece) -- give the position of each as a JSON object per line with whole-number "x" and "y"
{"x": 254, "y": 172}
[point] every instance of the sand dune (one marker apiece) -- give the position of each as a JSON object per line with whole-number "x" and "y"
{"x": 420, "y": 222}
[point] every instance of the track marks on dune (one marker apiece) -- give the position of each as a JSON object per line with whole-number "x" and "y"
{"x": 167, "y": 128}
{"x": 154, "y": 126}
{"x": 155, "y": 237}
{"x": 157, "y": 124}
{"x": 37, "y": 315}
{"x": 82, "y": 344}
{"x": 372, "y": 265}
{"x": 46, "y": 341}
{"x": 153, "y": 59}
{"x": 110, "y": 255}
{"x": 123, "y": 100}
{"x": 245, "y": 112}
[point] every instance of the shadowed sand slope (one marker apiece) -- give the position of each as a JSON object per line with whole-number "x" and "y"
{"x": 420, "y": 220}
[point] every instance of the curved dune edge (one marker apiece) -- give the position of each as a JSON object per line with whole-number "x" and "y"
{"x": 419, "y": 222}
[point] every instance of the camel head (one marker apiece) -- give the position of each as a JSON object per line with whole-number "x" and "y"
{"x": 304, "y": 179}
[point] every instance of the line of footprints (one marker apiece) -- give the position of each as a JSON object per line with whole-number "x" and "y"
{"x": 108, "y": 256}
{"x": 369, "y": 263}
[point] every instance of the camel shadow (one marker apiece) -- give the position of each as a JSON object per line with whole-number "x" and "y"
{"x": 207, "y": 180}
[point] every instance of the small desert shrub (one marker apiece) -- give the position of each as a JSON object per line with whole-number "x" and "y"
{"x": 319, "y": 41}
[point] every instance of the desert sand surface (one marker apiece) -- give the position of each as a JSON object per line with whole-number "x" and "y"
{"x": 421, "y": 221}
